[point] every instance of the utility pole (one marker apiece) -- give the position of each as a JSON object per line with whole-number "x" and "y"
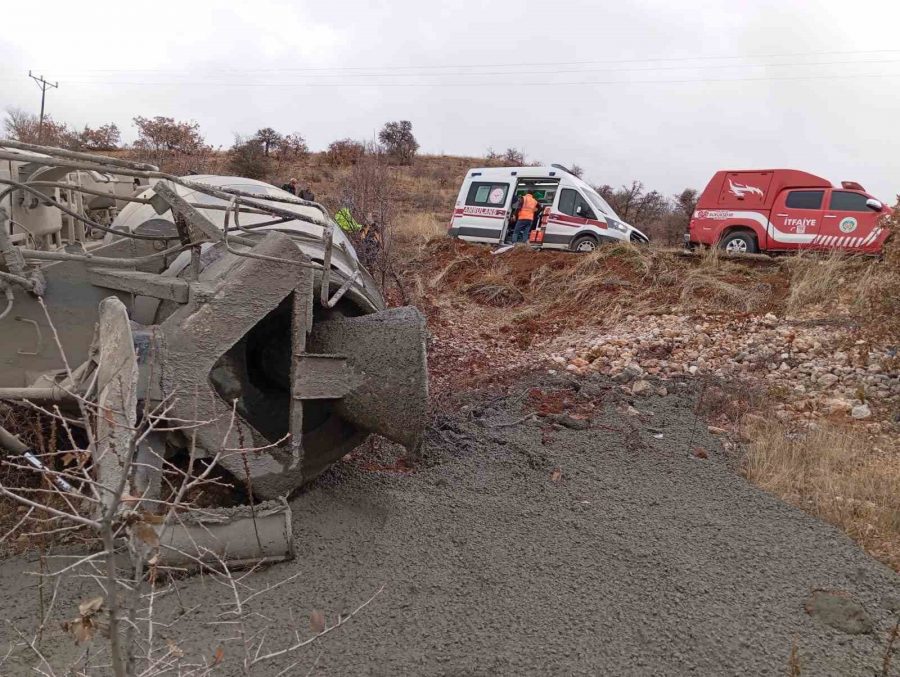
{"x": 43, "y": 84}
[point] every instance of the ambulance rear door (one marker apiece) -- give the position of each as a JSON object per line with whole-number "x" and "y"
{"x": 483, "y": 214}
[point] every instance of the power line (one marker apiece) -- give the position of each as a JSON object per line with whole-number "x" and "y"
{"x": 497, "y": 85}
{"x": 794, "y": 64}
{"x": 506, "y": 65}
{"x": 43, "y": 84}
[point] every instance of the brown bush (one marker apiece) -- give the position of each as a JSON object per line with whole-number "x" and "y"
{"x": 344, "y": 152}
{"x": 105, "y": 137}
{"x": 26, "y": 127}
{"x": 247, "y": 157}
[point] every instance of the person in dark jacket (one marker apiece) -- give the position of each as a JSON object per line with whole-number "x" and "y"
{"x": 291, "y": 186}
{"x": 372, "y": 241}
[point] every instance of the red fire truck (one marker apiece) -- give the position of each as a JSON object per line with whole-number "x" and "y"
{"x": 746, "y": 211}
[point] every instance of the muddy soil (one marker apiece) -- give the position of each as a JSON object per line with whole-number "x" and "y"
{"x": 599, "y": 544}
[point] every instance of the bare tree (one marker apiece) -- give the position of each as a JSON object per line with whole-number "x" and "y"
{"x": 104, "y": 137}
{"x": 399, "y": 141}
{"x": 269, "y": 139}
{"x": 369, "y": 191}
{"x": 686, "y": 203}
{"x": 25, "y": 127}
{"x": 514, "y": 157}
{"x": 292, "y": 146}
{"x": 160, "y": 135}
{"x": 247, "y": 157}
{"x": 662, "y": 219}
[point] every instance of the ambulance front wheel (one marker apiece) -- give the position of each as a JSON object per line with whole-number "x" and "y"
{"x": 739, "y": 242}
{"x": 585, "y": 243}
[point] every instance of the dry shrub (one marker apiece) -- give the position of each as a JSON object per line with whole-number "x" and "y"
{"x": 640, "y": 259}
{"x": 43, "y": 437}
{"x": 494, "y": 291}
{"x": 836, "y": 474}
{"x": 493, "y": 286}
{"x": 836, "y": 279}
{"x": 817, "y": 280}
{"x": 420, "y": 228}
{"x": 710, "y": 257}
{"x": 704, "y": 289}
{"x": 865, "y": 288}
{"x": 726, "y": 403}
{"x": 457, "y": 268}
{"x": 344, "y": 152}
{"x": 592, "y": 278}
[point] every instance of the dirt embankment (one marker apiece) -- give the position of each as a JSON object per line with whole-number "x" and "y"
{"x": 805, "y": 346}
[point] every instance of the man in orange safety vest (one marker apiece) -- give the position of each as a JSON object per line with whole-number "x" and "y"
{"x": 524, "y": 218}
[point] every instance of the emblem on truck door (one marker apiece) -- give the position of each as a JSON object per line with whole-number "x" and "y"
{"x": 740, "y": 190}
{"x": 847, "y": 225}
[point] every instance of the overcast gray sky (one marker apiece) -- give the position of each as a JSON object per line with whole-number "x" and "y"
{"x": 665, "y": 92}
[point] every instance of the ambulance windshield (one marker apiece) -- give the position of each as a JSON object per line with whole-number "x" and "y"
{"x": 600, "y": 203}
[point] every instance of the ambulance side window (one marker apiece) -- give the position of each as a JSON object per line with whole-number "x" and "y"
{"x": 845, "y": 201}
{"x": 571, "y": 203}
{"x": 804, "y": 199}
{"x": 485, "y": 194}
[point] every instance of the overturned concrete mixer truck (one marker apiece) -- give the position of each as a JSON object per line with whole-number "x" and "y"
{"x": 218, "y": 300}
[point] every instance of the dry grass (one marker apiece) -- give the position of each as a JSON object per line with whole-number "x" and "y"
{"x": 494, "y": 290}
{"x": 458, "y": 266}
{"x": 570, "y": 290}
{"x": 419, "y": 228}
{"x": 834, "y": 280}
{"x": 818, "y": 281}
{"x": 862, "y": 288}
{"x": 836, "y": 474}
{"x": 705, "y": 289}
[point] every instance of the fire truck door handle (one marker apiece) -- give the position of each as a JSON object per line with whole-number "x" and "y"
{"x": 830, "y": 216}
{"x": 781, "y": 215}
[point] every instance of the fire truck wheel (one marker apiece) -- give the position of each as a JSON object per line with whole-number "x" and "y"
{"x": 585, "y": 243}
{"x": 739, "y": 242}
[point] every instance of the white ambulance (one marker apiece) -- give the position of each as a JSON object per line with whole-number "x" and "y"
{"x": 572, "y": 215}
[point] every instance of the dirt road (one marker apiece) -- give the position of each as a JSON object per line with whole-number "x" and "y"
{"x": 529, "y": 549}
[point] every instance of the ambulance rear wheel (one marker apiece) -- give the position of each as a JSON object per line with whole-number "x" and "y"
{"x": 585, "y": 243}
{"x": 739, "y": 242}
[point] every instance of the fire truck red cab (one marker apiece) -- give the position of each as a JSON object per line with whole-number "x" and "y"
{"x": 746, "y": 211}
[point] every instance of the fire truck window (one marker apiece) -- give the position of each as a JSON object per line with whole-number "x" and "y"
{"x": 484, "y": 194}
{"x": 845, "y": 201}
{"x": 804, "y": 199}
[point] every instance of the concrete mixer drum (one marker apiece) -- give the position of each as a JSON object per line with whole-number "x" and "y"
{"x": 219, "y": 300}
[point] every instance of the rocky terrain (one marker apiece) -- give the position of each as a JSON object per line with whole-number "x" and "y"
{"x": 811, "y": 369}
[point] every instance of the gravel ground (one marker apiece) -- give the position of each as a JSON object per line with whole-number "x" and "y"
{"x": 527, "y": 549}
